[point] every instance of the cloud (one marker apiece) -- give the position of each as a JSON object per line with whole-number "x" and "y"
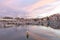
{"x": 17, "y": 4}
{"x": 27, "y": 8}
{"x": 45, "y": 10}
{"x": 38, "y": 4}
{"x": 11, "y": 12}
{"x": 13, "y": 7}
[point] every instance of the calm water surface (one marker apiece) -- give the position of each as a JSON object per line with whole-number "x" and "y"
{"x": 34, "y": 33}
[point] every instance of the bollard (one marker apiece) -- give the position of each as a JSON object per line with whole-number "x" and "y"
{"x": 27, "y": 35}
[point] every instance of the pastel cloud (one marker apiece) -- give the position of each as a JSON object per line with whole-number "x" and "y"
{"x": 16, "y": 5}
{"x": 28, "y": 8}
{"x": 38, "y": 4}
{"x": 45, "y": 10}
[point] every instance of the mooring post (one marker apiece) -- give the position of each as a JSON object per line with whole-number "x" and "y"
{"x": 27, "y": 35}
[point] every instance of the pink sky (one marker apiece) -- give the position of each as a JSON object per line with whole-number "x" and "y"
{"x": 29, "y": 8}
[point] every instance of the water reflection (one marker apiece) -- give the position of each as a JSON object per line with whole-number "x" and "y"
{"x": 29, "y": 32}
